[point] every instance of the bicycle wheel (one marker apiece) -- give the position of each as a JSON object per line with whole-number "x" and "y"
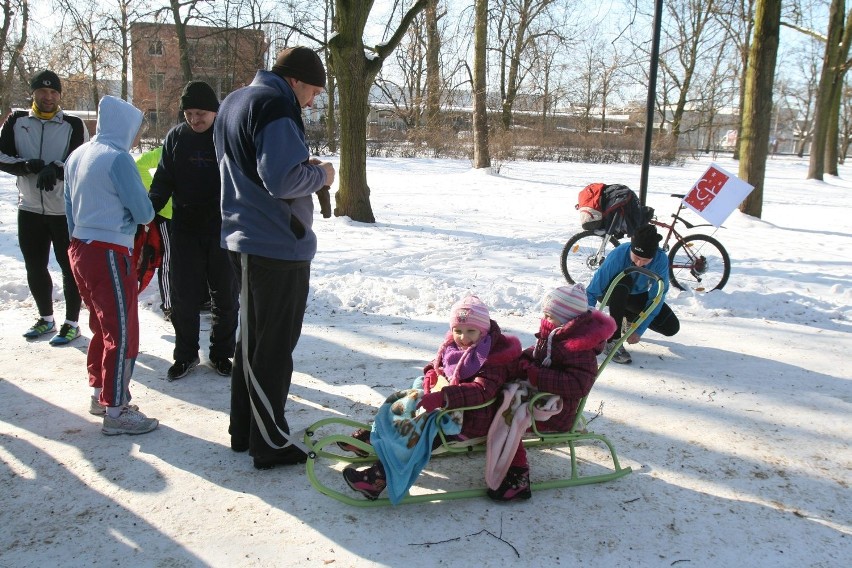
{"x": 699, "y": 263}
{"x": 584, "y": 253}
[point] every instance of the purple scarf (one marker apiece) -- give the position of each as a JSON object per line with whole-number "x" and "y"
{"x": 460, "y": 364}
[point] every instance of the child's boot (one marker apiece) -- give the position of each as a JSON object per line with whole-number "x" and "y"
{"x": 516, "y": 485}
{"x": 370, "y": 482}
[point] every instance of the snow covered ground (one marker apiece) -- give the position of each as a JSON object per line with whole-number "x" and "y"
{"x": 737, "y": 429}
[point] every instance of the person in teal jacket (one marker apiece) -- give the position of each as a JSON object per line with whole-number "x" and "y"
{"x": 631, "y": 295}
{"x": 105, "y": 202}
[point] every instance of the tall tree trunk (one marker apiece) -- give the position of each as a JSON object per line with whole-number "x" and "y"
{"x": 833, "y": 134}
{"x": 355, "y": 75}
{"x": 746, "y": 14}
{"x": 828, "y": 82}
{"x": 433, "y": 67}
{"x": 757, "y": 113}
{"x": 330, "y": 82}
{"x": 832, "y": 137}
{"x": 353, "y": 197}
{"x": 481, "y": 154}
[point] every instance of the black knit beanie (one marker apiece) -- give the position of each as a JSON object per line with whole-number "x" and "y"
{"x": 300, "y": 63}
{"x": 200, "y": 95}
{"x": 644, "y": 242}
{"x": 45, "y": 80}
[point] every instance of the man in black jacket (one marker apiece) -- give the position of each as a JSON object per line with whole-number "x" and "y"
{"x": 189, "y": 174}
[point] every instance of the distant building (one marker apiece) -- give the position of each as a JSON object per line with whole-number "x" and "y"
{"x": 227, "y": 59}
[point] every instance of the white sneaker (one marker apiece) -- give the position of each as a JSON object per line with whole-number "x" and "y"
{"x": 621, "y": 354}
{"x": 96, "y": 409}
{"x": 128, "y": 422}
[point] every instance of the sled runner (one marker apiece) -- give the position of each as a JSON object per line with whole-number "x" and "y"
{"x": 325, "y": 454}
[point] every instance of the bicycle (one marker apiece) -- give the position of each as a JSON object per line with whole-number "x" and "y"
{"x": 696, "y": 262}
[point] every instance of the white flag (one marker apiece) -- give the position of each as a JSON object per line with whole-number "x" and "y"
{"x": 716, "y": 194}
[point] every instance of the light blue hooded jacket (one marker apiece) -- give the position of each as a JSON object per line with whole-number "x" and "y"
{"x": 105, "y": 199}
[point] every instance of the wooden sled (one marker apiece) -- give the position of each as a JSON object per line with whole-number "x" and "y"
{"x": 324, "y": 447}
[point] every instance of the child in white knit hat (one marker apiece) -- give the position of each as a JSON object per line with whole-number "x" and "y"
{"x": 562, "y": 362}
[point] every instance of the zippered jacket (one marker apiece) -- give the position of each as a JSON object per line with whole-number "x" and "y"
{"x": 25, "y": 136}
{"x": 267, "y": 179}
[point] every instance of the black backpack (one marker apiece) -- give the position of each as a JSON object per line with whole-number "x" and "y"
{"x": 621, "y": 206}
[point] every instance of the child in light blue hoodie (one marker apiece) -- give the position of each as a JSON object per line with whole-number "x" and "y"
{"x": 105, "y": 201}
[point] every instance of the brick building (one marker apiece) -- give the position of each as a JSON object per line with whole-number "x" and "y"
{"x": 226, "y": 59}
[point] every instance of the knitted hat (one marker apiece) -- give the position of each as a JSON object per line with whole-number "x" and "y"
{"x": 644, "y": 242}
{"x": 200, "y": 95}
{"x": 565, "y": 303}
{"x": 45, "y": 80}
{"x": 470, "y": 311}
{"x": 300, "y": 63}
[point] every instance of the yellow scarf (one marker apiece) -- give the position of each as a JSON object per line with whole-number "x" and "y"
{"x": 44, "y": 115}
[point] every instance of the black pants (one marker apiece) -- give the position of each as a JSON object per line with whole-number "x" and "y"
{"x": 277, "y": 296}
{"x": 199, "y": 263}
{"x": 36, "y": 232}
{"x": 624, "y": 304}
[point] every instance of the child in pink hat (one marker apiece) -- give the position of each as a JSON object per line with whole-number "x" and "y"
{"x": 470, "y": 367}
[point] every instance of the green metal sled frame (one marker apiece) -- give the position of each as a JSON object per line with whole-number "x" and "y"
{"x": 533, "y": 438}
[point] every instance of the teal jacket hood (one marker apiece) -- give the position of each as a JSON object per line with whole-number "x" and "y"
{"x": 118, "y": 123}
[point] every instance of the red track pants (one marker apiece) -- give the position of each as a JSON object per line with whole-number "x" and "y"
{"x": 106, "y": 277}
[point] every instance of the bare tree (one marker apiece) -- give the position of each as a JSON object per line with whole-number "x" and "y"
{"x": 692, "y": 36}
{"x": 180, "y": 29}
{"x": 407, "y": 95}
{"x": 798, "y": 89}
{"x": 737, "y": 18}
{"x": 355, "y": 72}
{"x": 118, "y": 23}
{"x": 587, "y": 92}
{"x": 518, "y": 24}
{"x": 13, "y": 39}
{"x": 91, "y": 40}
{"x": 757, "y": 113}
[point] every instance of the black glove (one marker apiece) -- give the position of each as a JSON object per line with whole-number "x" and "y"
{"x": 47, "y": 177}
{"x": 34, "y": 166}
{"x": 324, "y": 197}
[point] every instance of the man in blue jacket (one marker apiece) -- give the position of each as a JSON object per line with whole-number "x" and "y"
{"x": 268, "y": 180}
{"x": 630, "y": 296}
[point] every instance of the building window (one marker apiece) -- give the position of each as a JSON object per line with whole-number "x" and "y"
{"x": 156, "y": 81}
{"x": 155, "y": 47}
{"x": 153, "y": 118}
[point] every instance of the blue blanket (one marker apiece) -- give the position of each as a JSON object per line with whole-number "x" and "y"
{"x": 403, "y": 439}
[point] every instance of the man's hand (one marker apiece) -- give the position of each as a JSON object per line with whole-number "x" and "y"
{"x": 327, "y": 166}
{"x": 47, "y": 177}
{"x": 634, "y": 338}
{"x": 329, "y": 172}
{"x": 34, "y": 166}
